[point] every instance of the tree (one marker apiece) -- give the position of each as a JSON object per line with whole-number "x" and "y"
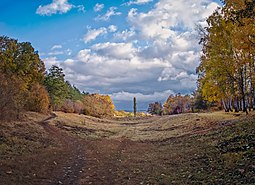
{"x": 134, "y": 106}
{"x": 98, "y": 105}
{"x": 9, "y": 92}
{"x": 226, "y": 71}
{"x": 177, "y": 104}
{"x": 21, "y": 60}
{"x": 20, "y": 69}
{"x": 155, "y": 108}
{"x": 198, "y": 102}
{"x": 73, "y": 93}
{"x": 56, "y": 86}
{"x": 38, "y": 99}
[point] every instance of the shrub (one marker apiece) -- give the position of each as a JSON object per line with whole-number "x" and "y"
{"x": 98, "y": 105}
{"x": 38, "y": 99}
{"x": 68, "y": 106}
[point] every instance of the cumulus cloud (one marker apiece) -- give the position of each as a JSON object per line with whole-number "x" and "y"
{"x": 115, "y": 50}
{"x": 57, "y": 6}
{"x": 49, "y": 61}
{"x": 169, "y": 29}
{"x": 127, "y": 96}
{"x": 158, "y": 51}
{"x": 138, "y": 2}
{"x": 111, "y": 12}
{"x": 92, "y": 34}
{"x": 98, "y": 7}
{"x": 111, "y": 69}
{"x": 168, "y": 16}
{"x": 112, "y": 28}
{"x": 186, "y": 80}
{"x": 125, "y": 35}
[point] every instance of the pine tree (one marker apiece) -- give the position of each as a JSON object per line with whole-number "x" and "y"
{"x": 56, "y": 86}
{"x": 134, "y": 106}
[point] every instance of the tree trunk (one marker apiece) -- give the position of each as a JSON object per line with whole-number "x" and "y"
{"x": 236, "y": 107}
{"x": 225, "y": 106}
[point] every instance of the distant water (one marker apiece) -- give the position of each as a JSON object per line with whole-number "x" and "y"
{"x": 144, "y": 111}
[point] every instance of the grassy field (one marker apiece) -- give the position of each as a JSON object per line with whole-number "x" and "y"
{"x": 152, "y": 128}
{"x": 205, "y": 148}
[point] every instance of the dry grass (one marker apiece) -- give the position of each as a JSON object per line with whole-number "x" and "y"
{"x": 204, "y": 148}
{"x": 145, "y": 128}
{"x": 23, "y": 137}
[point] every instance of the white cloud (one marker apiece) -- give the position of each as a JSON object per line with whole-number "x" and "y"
{"x": 138, "y": 2}
{"x": 169, "y": 30}
{"x": 56, "y": 53}
{"x": 127, "y": 96}
{"x": 115, "y": 50}
{"x": 93, "y": 34}
{"x": 125, "y": 35}
{"x": 57, "y": 50}
{"x": 57, "y": 6}
{"x": 58, "y": 46}
{"x": 111, "y": 12}
{"x": 98, "y": 7}
{"x": 50, "y": 61}
{"x": 84, "y": 55}
{"x": 69, "y": 52}
{"x": 186, "y": 80}
{"x": 112, "y": 28}
{"x": 107, "y": 70}
{"x": 80, "y": 8}
{"x": 168, "y": 16}
{"x": 209, "y": 9}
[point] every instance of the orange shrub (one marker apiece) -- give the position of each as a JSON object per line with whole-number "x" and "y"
{"x": 38, "y": 99}
{"x": 98, "y": 105}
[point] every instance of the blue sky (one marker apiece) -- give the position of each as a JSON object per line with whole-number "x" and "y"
{"x": 143, "y": 48}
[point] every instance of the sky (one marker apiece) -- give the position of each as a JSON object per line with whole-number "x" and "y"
{"x": 146, "y": 49}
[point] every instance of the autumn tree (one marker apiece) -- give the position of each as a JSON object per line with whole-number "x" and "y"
{"x": 155, "y": 108}
{"x": 98, "y": 105}
{"x": 226, "y": 72}
{"x": 21, "y": 69}
{"x": 9, "y": 92}
{"x": 178, "y": 103}
{"x": 38, "y": 99}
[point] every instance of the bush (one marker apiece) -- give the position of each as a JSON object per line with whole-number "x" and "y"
{"x": 98, "y": 105}
{"x": 68, "y": 106}
{"x": 78, "y": 107}
{"x": 38, "y": 99}
{"x": 11, "y": 95}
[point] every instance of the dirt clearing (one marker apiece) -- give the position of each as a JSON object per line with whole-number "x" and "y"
{"x": 211, "y": 148}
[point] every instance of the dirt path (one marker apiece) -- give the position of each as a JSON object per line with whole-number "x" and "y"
{"x": 96, "y": 161}
{"x": 110, "y": 162}
{"x": 93, "y": 161}
{"x": 74, "y": 148}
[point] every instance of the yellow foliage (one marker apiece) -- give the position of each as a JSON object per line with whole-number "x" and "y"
{"x": 98, "y": 105}
{"x": 38, "y": 99}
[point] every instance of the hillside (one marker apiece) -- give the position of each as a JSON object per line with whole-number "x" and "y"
{"x": 208, "y": 148}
